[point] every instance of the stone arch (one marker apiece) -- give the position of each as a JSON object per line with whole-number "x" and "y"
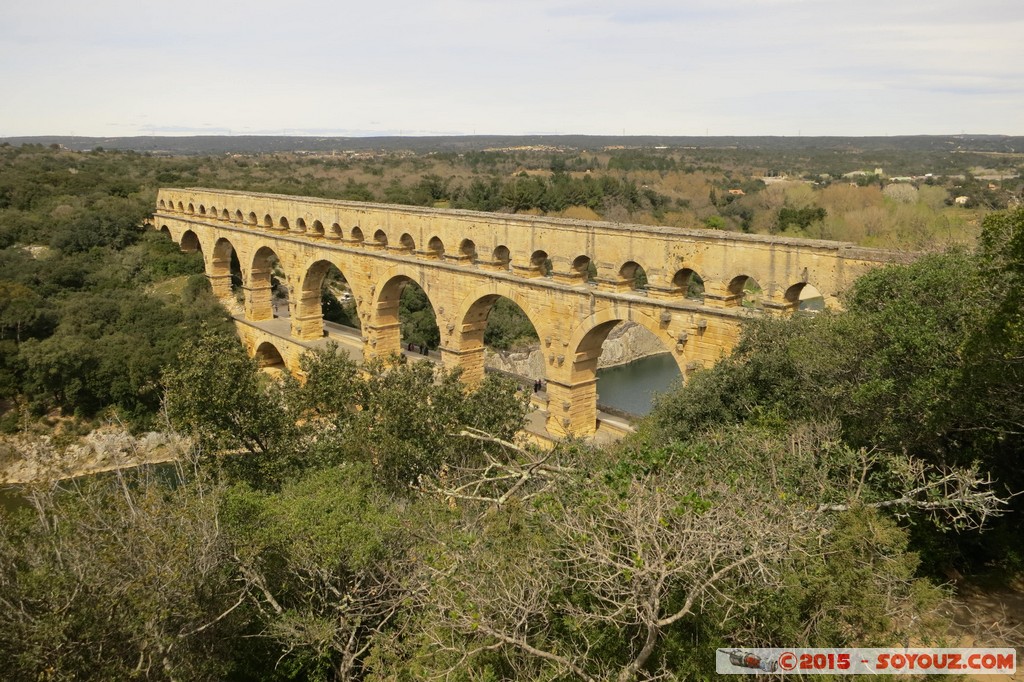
{"x": 166, "y": 230}
{"x": 225, "y": 215}
{"x": 336, "y": 230}
{"x": 191, "y": 208}
{"x": 300, "y": 225}
{"x": 634, "y": 275}
{"x": 745, "y": 291}
{"x": 804, "y": 297}
{"x": 598, "y": 325}
{"x": 407, "y": 242}
{"x": 436, "y": 247}
{"x": 688, "y": 283}
{"x": 163, "y": 204}
{"x": 263, "y": 285}
{"x": 502, "y": 256}
{"x": 574, "y": 396}
{"x": 380, "y": 238}
{"x": 467, "y": 249}
{"x": 318, "y": 228}
{"x": 357, "y": 235}
{"x": 582, "y": 267}
{"x": 308, "y": 320}
{"x": 540, "y": 262}
{"x": 268, "y": 221}
{"x": 190, "y": 242}
{"x": 269, "y": 357}
{"x": 253, "y": 220}
{"x": 282, "y": 223}
{"x": 202, "y": 209}
{"x": 224, "y": 271}
{"x": 470, "y": 324}
{"x": 181, "y": 207}
{"x": 385, "y": 336}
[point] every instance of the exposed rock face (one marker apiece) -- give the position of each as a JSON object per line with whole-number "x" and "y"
{"x": 626, "y": 343}
{"x": 24, "y": 459}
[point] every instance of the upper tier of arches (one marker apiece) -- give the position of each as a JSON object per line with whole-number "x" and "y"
{"x": 702, "y": 266}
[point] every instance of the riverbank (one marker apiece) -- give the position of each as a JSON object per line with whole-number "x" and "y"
{"x": 32, "y": 458}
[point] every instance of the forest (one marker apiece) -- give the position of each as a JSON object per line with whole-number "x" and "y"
{"x": 835, "y": 482}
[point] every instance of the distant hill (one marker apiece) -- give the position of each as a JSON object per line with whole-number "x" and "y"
{"x": 250, "y": 144}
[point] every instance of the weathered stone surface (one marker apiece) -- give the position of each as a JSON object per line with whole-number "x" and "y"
{"x": 465, "y": 260}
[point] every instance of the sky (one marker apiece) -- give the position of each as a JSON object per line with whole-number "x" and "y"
{"x": 439, "y": 67}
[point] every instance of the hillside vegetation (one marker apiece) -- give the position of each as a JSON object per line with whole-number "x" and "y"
{"x": 816, "y": 488}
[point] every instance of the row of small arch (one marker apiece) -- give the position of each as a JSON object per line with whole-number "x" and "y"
{"x": 684, "y": 280}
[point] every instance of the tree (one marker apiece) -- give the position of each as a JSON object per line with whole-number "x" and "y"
{"x": 593, "y": 567}
{"x": 217, "y": 395}
{"x": 118, "y": 577}
{"x": 324, "y": 561}
{"x": 799, "y": 218}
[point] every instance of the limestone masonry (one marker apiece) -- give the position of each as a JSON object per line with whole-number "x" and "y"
{"x": 465, "y": 260}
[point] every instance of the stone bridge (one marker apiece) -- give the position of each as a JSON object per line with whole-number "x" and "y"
{"x": 575, "y": 280}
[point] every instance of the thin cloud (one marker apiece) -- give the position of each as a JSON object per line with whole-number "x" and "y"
{"x": 455, "y": 66}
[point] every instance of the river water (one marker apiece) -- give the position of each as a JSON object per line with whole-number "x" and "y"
{"x": 632, "y": 387}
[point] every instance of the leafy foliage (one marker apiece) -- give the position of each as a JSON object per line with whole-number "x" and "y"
{"x": 383, "y": 523}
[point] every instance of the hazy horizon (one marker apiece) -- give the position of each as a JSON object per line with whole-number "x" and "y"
{"x": 786, "y": 68}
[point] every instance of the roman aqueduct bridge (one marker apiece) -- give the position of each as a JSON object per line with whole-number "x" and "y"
{"x": 575, "y": 280}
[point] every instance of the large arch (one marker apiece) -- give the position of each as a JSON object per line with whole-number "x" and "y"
{"x": 308, "y": 319}
{"x": 224, "y": 272}
{"x": 572, "y": 406}
{"x": 264, "y": 287}
{"x": 384, "y": 333}
{"x": 190, "y": 242}
{"x": 590, "y": 334}
{"x": 466, "y": 343}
